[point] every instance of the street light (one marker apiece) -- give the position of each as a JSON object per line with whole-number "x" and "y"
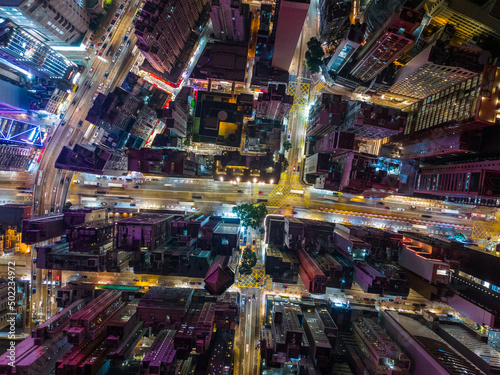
{"x": 254, "y": 180}
{"x": 221, "y": 179}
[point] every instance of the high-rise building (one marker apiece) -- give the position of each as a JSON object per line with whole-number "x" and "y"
{"x": 229, "y": 18}
{"x": 334, "y": 19}
{"x": 437, "y": 68}
{"x": 21, "y": 49}
{"x": 393, "y": 38}
{"x": 347, "y": 47}
{"x": 470, "y": 183}
{"x": 325, "y": 115}
{"x": 291, "y": 15}
{"x": 275, "y": 104}
{"x": 447, "y": 122}
{"x": 471, "y": 19}
{"x": 165, "y": 34}
{"x": 372, "y": 121}
{"x": 56, "y": 22}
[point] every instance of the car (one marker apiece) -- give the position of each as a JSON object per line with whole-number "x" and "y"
{"x": 63, "y": 122}
{"x": 461, "y": 217}
{"x": 137, "y": 280}
{"x": 261, "y": 192}
{"x": 125, "y": 38}
{"x": 103, "y": 38}
{"x": 249, "y": 299}
{"x": 160, "y": 282}
{"x": 413, "y": 207}
{"x": 289, "y": 137}
{"x": 109, "y": 28}
{"x": 100, "y": 52}
{"x": 400, "y": 209}
{"x": 104, "y": 204}
{"x": 128, "y": 44}
{"x": 80, "y": 123}
{"x": 428, "y": 209}
{"x": 91, "y": 69}
{"x": 387, "y": 207}
{"x": 106, "y": 75}
{"x": 86, "y": 84}
{"x": 121, "y": 6}
{"x": 100, "y": 44}
{"x": 73, "y": 102}
{"x": 240, "y": 191}
{"x": 426, "y": 216}
{"x": 105, "y": 44}
{"x": 381, "y": 203}
{"x": 87, "y": 57}
{"x": 113, "y": 22}
{"x": 100, "y": 87}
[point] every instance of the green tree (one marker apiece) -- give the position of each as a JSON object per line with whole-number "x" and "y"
{"x": 95, "y": 22}
{"x": 107, "y": 4}
{"x": 284, "y": 164}
{"x": 187, "y": 142}
{"x": 314, "y": 55}
{"x": 287, "y": 145}
{"x": 67, "y": 206}
{"x": 248, "y": 261}
{"x": 251, "y": 215}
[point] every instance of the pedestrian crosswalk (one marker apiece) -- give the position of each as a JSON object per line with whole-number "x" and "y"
{"x": 255, "y": 280}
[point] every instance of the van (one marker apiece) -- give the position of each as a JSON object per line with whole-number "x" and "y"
{"x": 160, "y": 282}
{"x": 168, "y": 185}
{"x": 76, "y": 181}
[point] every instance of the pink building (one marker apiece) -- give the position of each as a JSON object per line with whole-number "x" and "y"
{"x": 393, "y": 38}
{"x": 291, "y": 15}
{"x": 418, "y": 258}
{"x": 228, "y": 19}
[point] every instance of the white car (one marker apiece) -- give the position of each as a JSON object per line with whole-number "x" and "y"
{"x": 400, "y": 209}
{"x": 100, "y": 87}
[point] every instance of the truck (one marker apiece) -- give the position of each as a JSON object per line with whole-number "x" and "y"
{"x": 91, "y": 183}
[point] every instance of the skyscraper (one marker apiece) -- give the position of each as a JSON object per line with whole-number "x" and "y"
{"x": 291, "y": 15}
{"x": 436, "y": 68}
{"x": 54, "y": 22}
{"x": 163, "y": 31}
{"x": 29, "y": 54}
{"x": 229, "y": 19}
{"x": 385, "y": 46}
{"x": 334, "y": 19}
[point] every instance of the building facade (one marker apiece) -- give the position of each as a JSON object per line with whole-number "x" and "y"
{"x": 291, "y": 15}
{"x": 229, "y": 18}
{"x": 26, "y": 52}
{"x": 435, "y": 69}
{"x": 57, "y": 23}
{"x": 394, "y": 38}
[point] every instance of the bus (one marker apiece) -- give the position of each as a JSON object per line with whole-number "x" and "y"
{"x": 451, "y": 212}
{"x": 474, "y": 215}
{"x": 300, "y": 192}
{"x": 114, "y": 184}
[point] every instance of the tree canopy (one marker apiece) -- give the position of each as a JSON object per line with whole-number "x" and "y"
{"x": 314, "y": 55}
{"x": 251, "y": 215}
{"x": 248, "y": 261}
{"x": 287, "y": 145}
